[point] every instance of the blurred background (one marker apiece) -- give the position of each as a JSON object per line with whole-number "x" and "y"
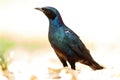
{"x": 24, "y": 33}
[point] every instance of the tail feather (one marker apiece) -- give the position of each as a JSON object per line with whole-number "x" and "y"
{"x": 96, "y": 66}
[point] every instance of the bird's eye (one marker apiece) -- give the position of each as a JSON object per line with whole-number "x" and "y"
{"x": 49, "y": 13}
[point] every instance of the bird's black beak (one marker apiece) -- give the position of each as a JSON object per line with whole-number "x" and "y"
{"x": 39, "y": 9}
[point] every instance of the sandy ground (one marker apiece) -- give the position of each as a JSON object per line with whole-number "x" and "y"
{"x": 44, "y": 65}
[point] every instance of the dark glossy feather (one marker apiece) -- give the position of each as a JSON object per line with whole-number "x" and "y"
{"x": 66, "y": 43}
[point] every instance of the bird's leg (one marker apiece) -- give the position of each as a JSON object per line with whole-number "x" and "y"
{"x": 61, "y": 59}
{"x": 72, "y": 63}
{"x": 63, "y": 62}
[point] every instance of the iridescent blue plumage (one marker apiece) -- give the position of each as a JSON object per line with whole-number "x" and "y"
{"x": 65, "y": 42}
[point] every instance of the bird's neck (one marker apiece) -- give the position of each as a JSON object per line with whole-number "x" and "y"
{"x": 57, "y": 22}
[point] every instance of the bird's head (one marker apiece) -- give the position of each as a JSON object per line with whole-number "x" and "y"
{"x": 50, "y": 12}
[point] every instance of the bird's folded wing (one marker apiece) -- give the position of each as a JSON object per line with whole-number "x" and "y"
{"x": 77, "y": 45}
{"x": 74, "y": 42}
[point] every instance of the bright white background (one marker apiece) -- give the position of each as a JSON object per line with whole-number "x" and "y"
{"x": 96, "y": 20}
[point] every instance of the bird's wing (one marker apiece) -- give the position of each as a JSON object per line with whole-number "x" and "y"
{"x": 73, "y": 39}
{"x": 76, "y": 44}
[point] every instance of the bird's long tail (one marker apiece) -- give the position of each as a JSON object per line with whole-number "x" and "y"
{"x": 94, "y": 65}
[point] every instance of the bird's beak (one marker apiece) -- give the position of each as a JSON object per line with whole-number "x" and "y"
{"x": 39, "y": 9}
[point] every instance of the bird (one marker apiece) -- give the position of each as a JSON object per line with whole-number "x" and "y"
{"x": 66, "y": 43}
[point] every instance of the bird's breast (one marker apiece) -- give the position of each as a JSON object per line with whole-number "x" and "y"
{"x": 56, "y": 36}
